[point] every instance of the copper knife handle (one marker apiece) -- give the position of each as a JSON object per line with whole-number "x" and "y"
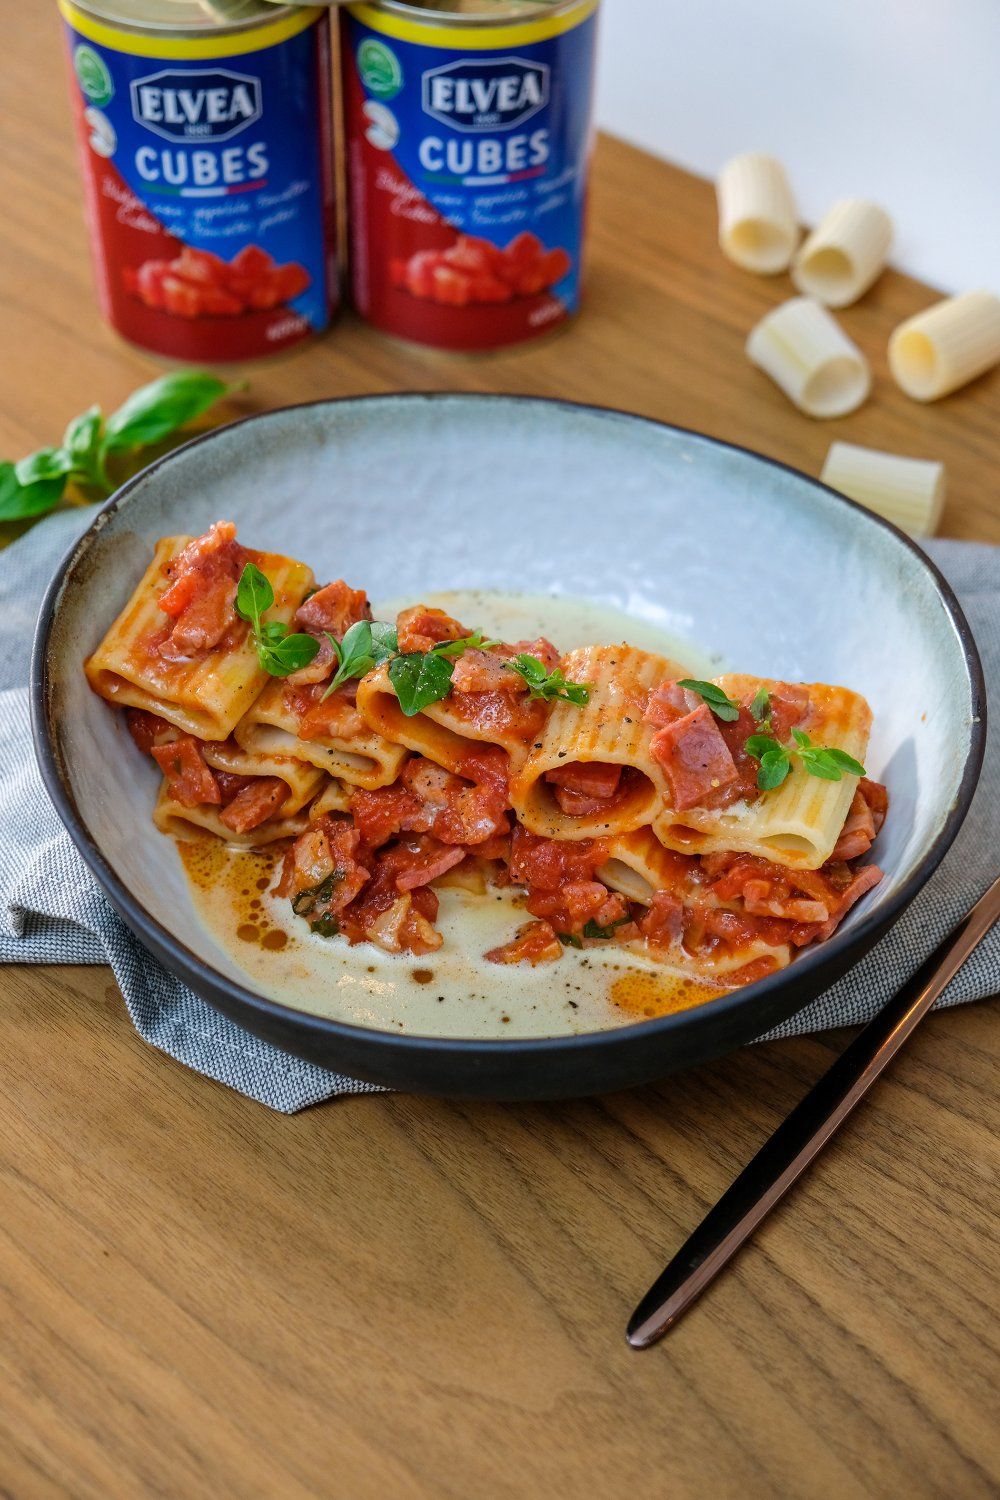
{"x": 801, "y": 1137}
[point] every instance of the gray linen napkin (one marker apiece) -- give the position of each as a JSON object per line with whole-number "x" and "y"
{"x": 51, "y": 912}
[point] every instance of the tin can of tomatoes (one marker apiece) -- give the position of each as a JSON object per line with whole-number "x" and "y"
{"x": 205, "y": 137}
{"x": 468, "y": 133}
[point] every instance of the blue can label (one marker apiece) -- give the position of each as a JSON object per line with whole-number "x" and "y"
{"x": 209, "y": 183}
{"x": 468, "y": 151}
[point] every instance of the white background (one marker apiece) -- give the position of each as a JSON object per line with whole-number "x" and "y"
{"x": 896, "y": 100}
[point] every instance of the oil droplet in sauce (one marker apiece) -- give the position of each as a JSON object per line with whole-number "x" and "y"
{"x": 648, "y": 995}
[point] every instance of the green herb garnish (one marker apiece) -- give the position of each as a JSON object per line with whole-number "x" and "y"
{"x": 325, "y": 927}
{"x": 423, "y": 677}
{"x": 420, "y": 678}
{"x": 278, "y": 652}
{"x": 824, "y": 761}
{"x": 722, "y": 706}
{"x": 569, "y": 940}
{"x": 549, "y": 685}
{"x": 592, "y": 930}
{"x": 37, "y": 483}
{"x": 760, "y": 708}
{"x": 365, "y": 646}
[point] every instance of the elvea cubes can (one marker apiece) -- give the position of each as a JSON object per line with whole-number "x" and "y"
{"x": 468, "y": 134}
{"x": 205, "y": 137}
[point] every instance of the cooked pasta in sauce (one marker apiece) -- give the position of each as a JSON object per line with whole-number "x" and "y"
{"x": 485, "y": 786}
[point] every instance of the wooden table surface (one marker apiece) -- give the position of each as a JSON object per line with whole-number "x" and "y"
{"x": 403, "y": 1297}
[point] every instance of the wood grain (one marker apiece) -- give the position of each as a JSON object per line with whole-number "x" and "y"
{"x": 394, "y": 1296}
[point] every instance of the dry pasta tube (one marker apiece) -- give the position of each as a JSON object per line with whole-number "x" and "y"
{"x": 946, "y": 346}
{"x": 758, "y": 226}
{"x": 845, "y": 253}
{"x": 906, "y": 491}
{"x": 813, "y": 361}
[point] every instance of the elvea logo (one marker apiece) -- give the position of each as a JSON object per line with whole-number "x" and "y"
{"x": 199, "y": 104}
{"x": 488, "y": 94}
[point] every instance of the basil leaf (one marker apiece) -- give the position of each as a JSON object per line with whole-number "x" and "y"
{"x": 287, "y": 655}
{"x": 592, "y": 930}
{"x": 719, "y": 702}
{"x": 475, "y": 641}
{"x": 254, "y": 594}
{"x": 46, "y": 464}
{"x": 844, "y": 761}
{"x": 384, "y": 642}
{"x": 828, "y": 763}
{"x": 774, "y": 767}
{"x": 569, "y": 940}
{"x": 158, "y": 409}
{"x": 549, "y": 685}
{"x": 761, "y": 705}
{"x": 82, "y": 437}
{"x": 801, "y": 739}
{"x": 419, "y": 679}
{"x": 18, "y": 502}
{"x": 760, "y": 744}
{"x": 355, "y": 648}
{"x": 272, "y": 631}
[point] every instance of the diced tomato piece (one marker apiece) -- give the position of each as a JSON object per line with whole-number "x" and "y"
{"x": 420, "y": 273}
{"x": 548, "y": 864}
{"x": 254, "y": 804}
{"x": 554, "y": 265}
{"x": 421, "y": 627}
{"x": 252, "y": 261}
{"x": 189, "y": 780}
{"x": 524, "y": 250}
{"x": 383, "y": 813}
{"x": 663, "y": 923}
{"x": 578, "y": 902}
{"x": 541, "y": 649}
{"x": 694, "y": 756}
{"x": 148, "y": 729}
{"x": 200, "y": 267}
{"x": 472, "y": 254}
{"x": 230, "y": 784}
{"x": 149, "y": 283}
{"x": 453, "y": 288}
{"x": 535, "y": 943}
{"x": 402, "y": 928}
{"x": 452, "y": 809}
{"x": 335, "y": 717}
{"x": 865, "y": 880}
{"x": 487, "y": 288}
{"x": 323, "y": 867}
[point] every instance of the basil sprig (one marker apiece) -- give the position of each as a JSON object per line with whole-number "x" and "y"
{"x": 549, "y": 685}
{"x": 424, "y": 677}
{"x": 278, "y": 652}
{"x": 722, "y": 706}
{"x": 36, "y": 484}
{"x": 366, "y": 645}
{"x": 760, "y": 708}
{"x": 825, "y": 761}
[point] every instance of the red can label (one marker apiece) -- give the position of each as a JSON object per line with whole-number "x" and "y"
{"x": 208, "y": 178}
{"x": 468, "y": 149}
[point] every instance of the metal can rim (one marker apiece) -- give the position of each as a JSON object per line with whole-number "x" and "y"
{"x": 103, "y": 12}
{"x": 415, "y": 12}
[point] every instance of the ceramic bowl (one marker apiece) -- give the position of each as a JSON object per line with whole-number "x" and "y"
{"x": 754, "y": 561}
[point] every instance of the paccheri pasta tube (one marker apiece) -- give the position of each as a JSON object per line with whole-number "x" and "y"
{"x": 845, "y": 253}
{"x": 935, "y": 352}
{"x": 758, "y": 225}
{"x": 907, "y": 491}
{"x": 809, "y": 356}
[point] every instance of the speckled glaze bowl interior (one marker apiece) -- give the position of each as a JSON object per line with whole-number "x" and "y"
{"x": 758, "y": 564}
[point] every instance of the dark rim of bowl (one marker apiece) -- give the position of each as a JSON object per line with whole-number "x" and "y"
{"x": 197, "y": 972}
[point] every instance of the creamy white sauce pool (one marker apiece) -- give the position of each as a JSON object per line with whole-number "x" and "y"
{"x": 455, "y": 991}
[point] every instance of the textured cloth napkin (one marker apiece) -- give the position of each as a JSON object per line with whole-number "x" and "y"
{"x": 51, "y": 911}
